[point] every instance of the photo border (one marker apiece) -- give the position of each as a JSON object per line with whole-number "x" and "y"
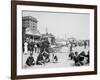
{"x": 14, "y": 39}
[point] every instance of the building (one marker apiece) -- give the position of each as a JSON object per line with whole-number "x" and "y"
{"x": 29, "y": 27}
{"x": 50, "y": 37}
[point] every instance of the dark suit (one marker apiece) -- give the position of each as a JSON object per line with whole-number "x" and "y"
{"x": 30, "y": 61}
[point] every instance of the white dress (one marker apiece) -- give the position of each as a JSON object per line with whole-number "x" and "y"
{"x": 25, "y": 47}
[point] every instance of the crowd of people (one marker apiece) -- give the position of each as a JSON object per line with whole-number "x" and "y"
{"x": 45, "y": 51}
{"x": 32, "y": 46}
{"x": 79, "y": 58}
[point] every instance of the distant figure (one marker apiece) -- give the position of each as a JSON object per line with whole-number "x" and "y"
{"x": 55, "y": 58}
{"x": 38, "y": 47}
{"x": 30, "y": 60}
{"x": 70, "y": 47}
{"x": 88, "y": 60}
{"x": 35, "y": 47}
{"x": 71, "y": 55}
{"x": 66, "y": 43}
{"x": 25, "y": 47}
{"x": 30, "y": 47}
{"x": 85, "y": 44}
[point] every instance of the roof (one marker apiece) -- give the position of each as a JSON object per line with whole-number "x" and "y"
{"x": 32, "y": 31}
{"x": 29, "y": 18}
{"x": 47, "y": 35}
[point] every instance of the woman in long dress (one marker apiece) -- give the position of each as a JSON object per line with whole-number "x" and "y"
{"x": 25, "y": 47}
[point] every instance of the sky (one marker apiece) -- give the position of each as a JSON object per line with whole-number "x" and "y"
{"x": 62, "y": 25}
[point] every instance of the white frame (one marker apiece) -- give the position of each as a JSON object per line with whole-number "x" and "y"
{"x": 21, "y": 71}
